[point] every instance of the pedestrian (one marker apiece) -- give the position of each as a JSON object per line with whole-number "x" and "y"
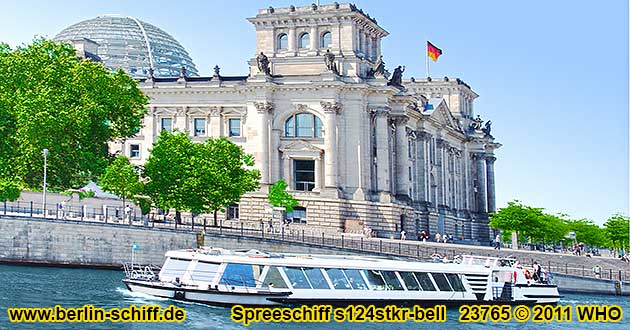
{"x": 423, "y": 236}
{"x": 537, "y": 271}
{"x": 271, "y": 225}
{"x": 127, "y": 212}
{"x": 438, "y": 237}
{"x": 62, "y": 213}
{"x": 497, "y": 242}
{"x": 403, "y": 235}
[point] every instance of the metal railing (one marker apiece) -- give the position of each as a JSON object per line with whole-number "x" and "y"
{"x": 288, "y": 234}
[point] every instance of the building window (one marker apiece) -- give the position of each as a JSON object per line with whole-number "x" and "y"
{"x": 298, "y": 215}
{"x": 303, "y": 125}
{"x": 304, "y": 174}
{"x": 200, "y": 126}
{"x": 326, "y": 39}
{"x": 167, "y": 124}
{"x": 305, "y": 41}
{"x": 232, "y": 211}
{"x": 283, "y": 41}
{"x": 134, "y": 151}
{"x": 235, "y": 126}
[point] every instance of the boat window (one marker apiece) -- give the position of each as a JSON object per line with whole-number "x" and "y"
{"x": 456, "y": 282}
{"x": 204, "y": 271}
{"x": 274, "y": 279}
{"x": 375, "y": 279}
{"x": 173, "y": 268}
{"x": 410, "y": 281}
{"x": 297, "y": 278}
{"x": 317, "y": 279}
{"x": 441, "y": 282}
{"x": 355, "y": 278}
{"x": 392, "y": 280}
{"x": 338, "y": 279}
{"x": 425, "y": 281}
{"x": 240, "y": 275}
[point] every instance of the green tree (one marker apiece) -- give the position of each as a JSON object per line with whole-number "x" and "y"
{"x": 9, "y": 190}
{"x": 168, "y": 171}
{"x": 121, "y": 179}
{"x": 519, "y": 218}
{"x": 618, "y": 230}
{"x": 278, "y": 196}
{"x": 197, "y": 177}
{"x": 588, "y": 232}
{"x": 50, "y": 98}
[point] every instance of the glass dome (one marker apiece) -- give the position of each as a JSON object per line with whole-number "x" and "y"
{"x": 133, "y": 45}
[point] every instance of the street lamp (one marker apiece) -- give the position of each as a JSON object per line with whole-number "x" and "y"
{"x": 45, "y": 152}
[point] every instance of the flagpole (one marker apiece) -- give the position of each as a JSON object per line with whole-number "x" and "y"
{"x": 427, "y": 57}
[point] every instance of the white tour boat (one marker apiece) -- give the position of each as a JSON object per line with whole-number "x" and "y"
{"x": 225, "y": 277}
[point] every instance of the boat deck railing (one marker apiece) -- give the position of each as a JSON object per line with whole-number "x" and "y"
{"x": 137, "y": 272}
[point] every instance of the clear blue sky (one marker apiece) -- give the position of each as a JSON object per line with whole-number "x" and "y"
{"x": 551, "y": 75}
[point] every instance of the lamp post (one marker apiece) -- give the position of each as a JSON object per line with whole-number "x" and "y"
{"x": 45, "y": 152}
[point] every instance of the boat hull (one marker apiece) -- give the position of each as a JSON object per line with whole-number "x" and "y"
{"x": 209, "y": 297}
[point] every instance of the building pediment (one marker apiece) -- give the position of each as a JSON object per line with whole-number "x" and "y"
{"x": 300, "y": 146}
{"x": 437, "y": 109}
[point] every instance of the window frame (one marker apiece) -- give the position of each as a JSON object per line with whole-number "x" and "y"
{"x": 322, "y": 39}
{"x": 162, "y": 128}
{"x": 299, "y": 208}
{"x": 229, "y": 126}
{"x": 279, "y": 39}
{"x": 301, "y": 39}
{"x": 205, "y": 124}
{"x": 233, "y": 212}
{"x": 316, "y": 128}
{"x": 304, "y": 184}
{"x": 131, "y": 151}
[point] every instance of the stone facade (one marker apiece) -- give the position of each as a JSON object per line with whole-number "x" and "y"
{"x": 350, "y": 145}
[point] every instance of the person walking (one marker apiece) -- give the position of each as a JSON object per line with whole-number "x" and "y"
{"x": 497, "y": 242}
{"x": 438, "y": 237}
{"x": 403, "y": 235}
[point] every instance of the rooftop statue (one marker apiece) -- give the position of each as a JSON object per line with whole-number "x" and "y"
{"x": 263, "y": 63}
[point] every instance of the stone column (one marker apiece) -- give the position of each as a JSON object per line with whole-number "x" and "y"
{"x": 314, "y": 38}
{"x": 490, "y": 183}
{"x": 331, "y": 109}
{"x": 368, "y": 48}
{"x": 361, "y": 42}
{"x": 441, "y": 183}
{"x": 402, "y": 157}
{"x": 318, "y": 174}
{"x": 264, "y": 110}
{"x": 215, "y": 129}
{"x": 286, "y": 170}
{"x": 181, "y": 119}
{"x": 422, "y": 167}
{"x": 292, "y": 40}
{"x": 275, "y": 155}
{"x": 382, "y": 153}
{"x": 481, "y": 184}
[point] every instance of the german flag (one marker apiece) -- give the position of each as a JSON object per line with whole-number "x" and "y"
{"x": 433, "y": 52}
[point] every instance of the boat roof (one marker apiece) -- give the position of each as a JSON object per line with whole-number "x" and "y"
{"x": 256, "y": 257}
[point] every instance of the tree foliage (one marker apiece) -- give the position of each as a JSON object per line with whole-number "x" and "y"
{"x": 278, "y": 196}
{"x": 529, "y": 222}
{"x": 197, "y": 177}
{"x": 588, "y": 232}
{"x": 121, "y": 179}
{"x": 618, "y": 230}
{"x": 9, "y": 190}
{"x": 50, "y": 98}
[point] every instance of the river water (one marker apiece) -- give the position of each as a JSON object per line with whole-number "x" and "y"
{"x": 26, "y": 286}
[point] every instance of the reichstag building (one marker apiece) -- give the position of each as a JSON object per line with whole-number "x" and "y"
{"x": 358, "y": 145}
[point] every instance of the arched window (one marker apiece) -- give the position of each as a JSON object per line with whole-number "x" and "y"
{"x": 305, "y": 41}
{"x": 305, "y": 125}
{"x": 326, "y": 39}
{"x": 283, "y": 41}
